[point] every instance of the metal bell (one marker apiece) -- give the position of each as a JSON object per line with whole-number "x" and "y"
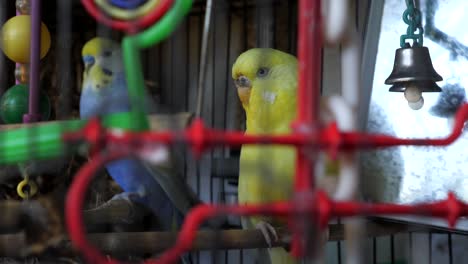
{"x": 413, "y": 66}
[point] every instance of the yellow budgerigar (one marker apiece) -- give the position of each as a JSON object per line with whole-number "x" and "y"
{"x": 266, "y": 81}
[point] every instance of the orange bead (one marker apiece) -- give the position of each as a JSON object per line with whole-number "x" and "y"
{"x": 22, "y": 73}
{"x": 23, "y": 7}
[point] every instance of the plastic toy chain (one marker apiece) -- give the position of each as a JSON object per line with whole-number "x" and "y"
{"x": 412, "y": 17}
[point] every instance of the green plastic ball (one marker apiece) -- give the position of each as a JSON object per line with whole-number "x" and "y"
{"x": 14, "y": 104}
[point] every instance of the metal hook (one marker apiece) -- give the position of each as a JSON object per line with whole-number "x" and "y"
{"x": 26, "y": 193}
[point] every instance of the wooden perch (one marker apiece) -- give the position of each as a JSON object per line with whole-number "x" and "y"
{"x": 153, "y": 242}
{"x": 14, "y": 214}
{"x": 11, "y": 245}
{"x": 138, "y": 243}
{"x": 115, "y": 212}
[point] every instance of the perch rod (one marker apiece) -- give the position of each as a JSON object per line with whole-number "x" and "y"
{"x": 136, "y": 243}
{"x": 150, "y": 242}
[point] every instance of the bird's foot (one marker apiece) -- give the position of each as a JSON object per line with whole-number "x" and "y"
{"x": 133, "y": 201}
{"x": 126, "y": 196}
{"x": 268, "y": 232}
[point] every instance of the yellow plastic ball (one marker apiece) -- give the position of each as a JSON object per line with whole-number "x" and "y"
{"x": 15, "y": 38}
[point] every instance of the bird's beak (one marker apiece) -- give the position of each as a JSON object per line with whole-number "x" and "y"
{"x": 244, "y": 86}
{"x": 242, "y": 82}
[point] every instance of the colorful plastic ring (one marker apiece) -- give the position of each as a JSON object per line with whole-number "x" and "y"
{"x": 126, "y": 14}
{"x": 127, "y": 4}
{"x": 128, "y": 26}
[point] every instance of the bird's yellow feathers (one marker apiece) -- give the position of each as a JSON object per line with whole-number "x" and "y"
{"x": 269, "y": 78}
{"x": 102, "y": 60}
{"x": 250, "y": 61}
{"x": 269, "y": 93}
{"x": 266, "y": 81}
{"x": 97, "y": 45}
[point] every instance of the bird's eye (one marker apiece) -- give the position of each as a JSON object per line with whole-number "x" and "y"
{"x": 262, "y": 72}
{"x": 107, "y": 72}
{"x": 107, "y": 53}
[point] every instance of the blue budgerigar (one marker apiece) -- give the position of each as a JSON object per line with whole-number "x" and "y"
{"x": 104, "y": 91}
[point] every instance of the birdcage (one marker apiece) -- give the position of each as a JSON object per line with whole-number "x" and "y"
{"x": 378, "y": 177}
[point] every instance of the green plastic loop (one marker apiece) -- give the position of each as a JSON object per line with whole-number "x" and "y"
{"x": 131, "y": 53}
{"x": 44, "y": 141}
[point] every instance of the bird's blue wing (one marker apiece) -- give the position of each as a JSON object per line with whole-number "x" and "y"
{"x": 163, "y": 189}
{"x": 133, "y": 177}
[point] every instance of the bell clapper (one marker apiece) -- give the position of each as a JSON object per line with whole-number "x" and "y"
{"x": 414, "y": 97}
